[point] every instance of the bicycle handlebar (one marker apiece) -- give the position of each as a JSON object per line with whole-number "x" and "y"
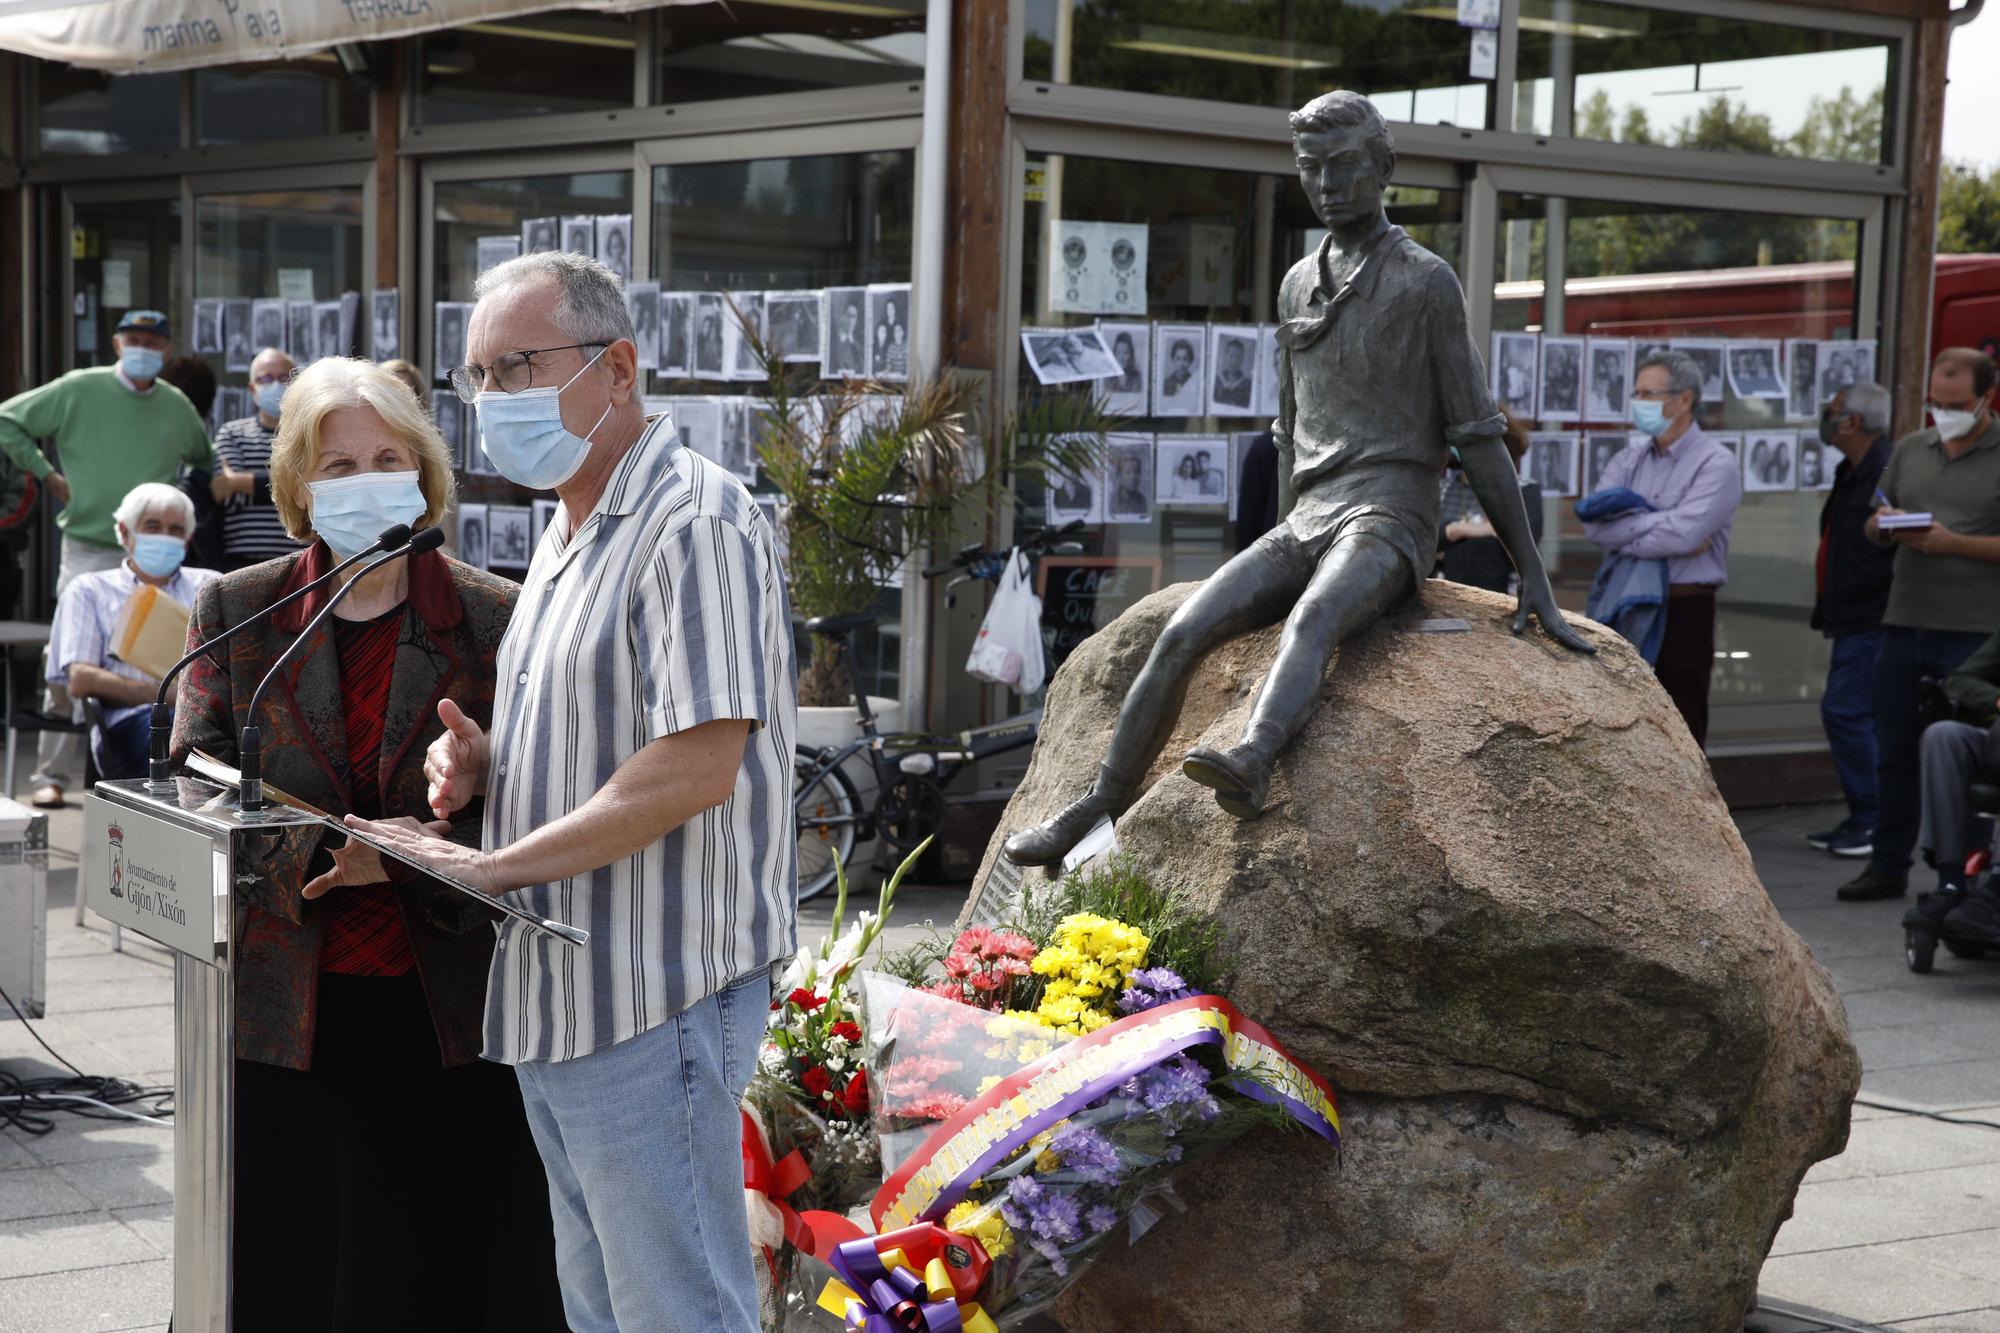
{"x": 1035, "y": 543}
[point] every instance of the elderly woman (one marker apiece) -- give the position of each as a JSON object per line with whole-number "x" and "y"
{"x": 385, "y": 1176}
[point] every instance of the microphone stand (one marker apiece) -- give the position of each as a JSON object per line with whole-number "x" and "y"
{"x": 160, "y": 768}
{"x": 250, "y": 745}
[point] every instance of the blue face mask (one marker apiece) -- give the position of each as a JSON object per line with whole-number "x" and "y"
{"x": 522, "y": 433}
{"x": 350, "y": 512}
{"x": 140, "y": 363}
{"x": 158, "y": 554}
{"x": 1649, "y": 417}
{"x": 269, "y": 396}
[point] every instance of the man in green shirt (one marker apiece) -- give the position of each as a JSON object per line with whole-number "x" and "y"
{"x": 113, "y": 427}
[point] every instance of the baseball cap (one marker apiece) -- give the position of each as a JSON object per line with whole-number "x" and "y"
{"x": 146, "y": 321}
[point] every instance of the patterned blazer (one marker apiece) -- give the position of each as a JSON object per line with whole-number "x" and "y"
{"x": 452, "y": 624}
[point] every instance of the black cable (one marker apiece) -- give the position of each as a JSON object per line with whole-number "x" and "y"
{"x": 28, "y": 1104}
{"x": 1928, "y": 1115}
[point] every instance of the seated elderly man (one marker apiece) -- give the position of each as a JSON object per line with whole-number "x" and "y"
{"x": 1956, "y": 754}
{"x": 153, "y": 523}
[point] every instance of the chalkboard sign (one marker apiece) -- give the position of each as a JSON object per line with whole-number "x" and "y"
{"x": 1081, "y": 594}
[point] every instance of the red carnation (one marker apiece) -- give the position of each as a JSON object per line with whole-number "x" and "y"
{"x": 846, "y": 1030}
{"x": 817, "y": 1083}
{"x": 805, "y": 999}
{"x": 855, "y": 1095}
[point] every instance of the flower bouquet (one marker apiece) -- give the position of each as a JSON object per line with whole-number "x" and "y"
{"x": 1029, "y": 1116}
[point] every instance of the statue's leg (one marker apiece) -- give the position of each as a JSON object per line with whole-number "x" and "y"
{"x": 1252, "y": 590}
{"x": 1359, "y": 579}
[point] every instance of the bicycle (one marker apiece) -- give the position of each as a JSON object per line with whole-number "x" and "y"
{"x": 911, "y": 768}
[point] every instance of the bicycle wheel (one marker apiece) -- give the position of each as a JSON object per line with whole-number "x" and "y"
{"x": 825, "y": 806}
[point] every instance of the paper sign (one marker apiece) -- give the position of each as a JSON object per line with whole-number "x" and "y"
{"x": 1097, "y": 268}
{"x": 1479, "y": 14}
{"x": 295, "y": 284}
{"x": 1485, "y": 62}
{"x": 117, "y": 283}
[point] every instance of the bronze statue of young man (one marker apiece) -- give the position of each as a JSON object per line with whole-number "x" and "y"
{"x": 1379, "y": 380}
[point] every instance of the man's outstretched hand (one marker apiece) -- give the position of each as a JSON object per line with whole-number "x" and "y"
{"x": 1542, "y": 605}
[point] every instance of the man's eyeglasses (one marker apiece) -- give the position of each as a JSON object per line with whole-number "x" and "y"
{"x": 512, "y": 372}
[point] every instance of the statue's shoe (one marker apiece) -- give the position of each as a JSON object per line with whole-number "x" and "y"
{"x": 1240, "y": 778}
{"x": 1051, "y": 840}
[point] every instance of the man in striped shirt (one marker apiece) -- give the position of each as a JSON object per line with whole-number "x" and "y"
{"x": 637, "y": 783}
{"x": 252, "y": 532}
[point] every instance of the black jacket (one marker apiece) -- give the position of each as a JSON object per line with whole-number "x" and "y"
{"x": 1257, "y": 491}
{"x": 1856, "y": 589}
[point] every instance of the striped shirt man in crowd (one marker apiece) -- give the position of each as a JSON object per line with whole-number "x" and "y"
{"x": 636, "y": 783}
{"x": 252, "y": 532}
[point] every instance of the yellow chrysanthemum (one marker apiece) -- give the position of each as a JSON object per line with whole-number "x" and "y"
{"x": 982, "y": 1222}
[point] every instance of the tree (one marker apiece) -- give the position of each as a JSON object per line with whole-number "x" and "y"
{"x": 1968, "y": 210}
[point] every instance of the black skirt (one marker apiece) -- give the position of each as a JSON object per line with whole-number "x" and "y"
{"x": 381, "y": 1191}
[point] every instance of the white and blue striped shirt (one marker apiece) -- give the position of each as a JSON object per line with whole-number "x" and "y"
{"x": 665, "y": 610}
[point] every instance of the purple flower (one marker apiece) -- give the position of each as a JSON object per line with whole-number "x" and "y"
{"x": 1100, "y": 1218}
{"x": 1151, "y": 987}
{"x": 1089, "y": 1153}
{"x": 1176, "y": 1090}
{"x": 1042, "y": 1212}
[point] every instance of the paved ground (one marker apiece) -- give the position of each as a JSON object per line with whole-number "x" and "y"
{"x": 1902, "y": 1230}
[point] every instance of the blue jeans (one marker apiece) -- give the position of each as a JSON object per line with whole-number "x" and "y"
{"x": 124, "y": 746}
{"x": 642, "y": 1144}
{"x": 1905, "y": 658}
{"x": 1847, "y": 711}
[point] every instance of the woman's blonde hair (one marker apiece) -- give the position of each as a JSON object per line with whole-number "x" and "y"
{"x": 333, "y": 383}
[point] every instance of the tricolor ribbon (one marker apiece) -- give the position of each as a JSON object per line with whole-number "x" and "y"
{"x": 881, "y": 1290}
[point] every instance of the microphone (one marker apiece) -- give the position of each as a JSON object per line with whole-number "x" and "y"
{"x": 250, "y": 745}
{"x": 160, "y": 769}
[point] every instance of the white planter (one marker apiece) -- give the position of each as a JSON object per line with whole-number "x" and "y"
{"x": 832, "y": 728}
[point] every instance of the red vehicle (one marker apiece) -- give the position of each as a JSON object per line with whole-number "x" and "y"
{"x": 1781, "y": 301}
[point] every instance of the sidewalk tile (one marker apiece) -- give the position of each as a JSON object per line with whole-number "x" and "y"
{"x": 59, "y": 1244}
{"x": 153, "y": 1224}
{"x": 123, "y": 1182}
{"x": 90, "y": 1300}
{"x": 40, "y": 1193}
{"x": 1898, "y": 1145}
{"x": 76, "y": 1139}
{"x": 1873, "y": 1211}
{"x": 1875, "y": 1284}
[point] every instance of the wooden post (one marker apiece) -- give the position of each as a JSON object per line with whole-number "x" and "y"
{"x": 1923, "y": 148}
{"x": 388, "y": 168}
{"x": 977, "y": 198}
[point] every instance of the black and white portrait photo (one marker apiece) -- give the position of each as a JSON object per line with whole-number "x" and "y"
{"x": 1068, "y": 356}
{"x": 642, "y": 301}
{"x": 793, "y": 321}
{"x": 385, "y": 324}
{"x": 1179, "y": 355}
{"x": 1732, "y": 441}
{"x": 676, "y": 333}
{"x": 543, "y": 513}
{"x": 1551, "y": 463}
{"x": 1071, "y": 497}
{"x": 1816, "y": 462}
{"x": 267, "y": 324}
{"x": 1560, "y": 396}
{"x": 1514, "y": 365}
{"x": 699, "y": 421}
{"x": 579, "y": 236}
{"x": 614, "y": 243}
{"x": 1767, "y": 460}
{"x": 1598, "y": 451}
{"x": 1610, "y": 361}
{"x": 448, "y": 350}
{"x": 1707, "y": 353}
{"x": 539, "y": 234}
{"x": 1232, "y": 365}
{"x": 472, "y": 535}
{"x": 509, "y": 537}
{"x": 1125, "y": 394}
{"x": 1128, "y": 478}
{"x": 889, "y": 332}
{"x": 737, "y": 438}
{"x": 1753, "y": 371}
{"x": 238, "y": 349}
{"x": 1268, "y": 371}
{"x": 1802, "y": 401}
{"x": 301, "y": 333}
{"x": 1842, "y": 364}
{"x": 326, "y": 324}
{"x": 207, "y": 327}
{"x": 1191, "y": 470}
{"x": 449, "y": 414}
{"x": 844, "y": 326}
{"x": 742, "y": 330}
{"x": 708, "y": 338}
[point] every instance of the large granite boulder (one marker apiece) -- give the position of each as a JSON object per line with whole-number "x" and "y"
{"x": 1583, "y": 1065}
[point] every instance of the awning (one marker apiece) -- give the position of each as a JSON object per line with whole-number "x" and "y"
{"x": 134, "y": 36}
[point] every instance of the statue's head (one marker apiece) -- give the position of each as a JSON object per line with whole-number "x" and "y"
{"x": 1346, "y": 157}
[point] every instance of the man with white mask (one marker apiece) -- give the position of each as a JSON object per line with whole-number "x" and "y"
{"x": 635, "y": 779}
{"x": 252, "y": 530}
{"x": 154, "y": 522}
{"x": 113, "y": 427}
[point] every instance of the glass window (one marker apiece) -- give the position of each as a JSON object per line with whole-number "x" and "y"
{"x": 790, "y": 224}
{"x": 84, "y": 112}
{"x": 1410, "y": 58}
{"x": 469, "y": 210}
{"x": 1217, "y": 244}
{"x": 538, "y": 66}
{"x": 1640, "y": 276}
{"x": 758, "y": 47}
{"x": 1621, "y": 74}
{"x": 296, "y": 100}
{"x": 125, "y": 256}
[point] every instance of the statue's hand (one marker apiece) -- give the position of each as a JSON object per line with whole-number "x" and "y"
{"x": 1542, "y": 604}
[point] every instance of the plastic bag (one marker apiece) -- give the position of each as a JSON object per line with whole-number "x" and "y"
{"x": 1008, "y": 650}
